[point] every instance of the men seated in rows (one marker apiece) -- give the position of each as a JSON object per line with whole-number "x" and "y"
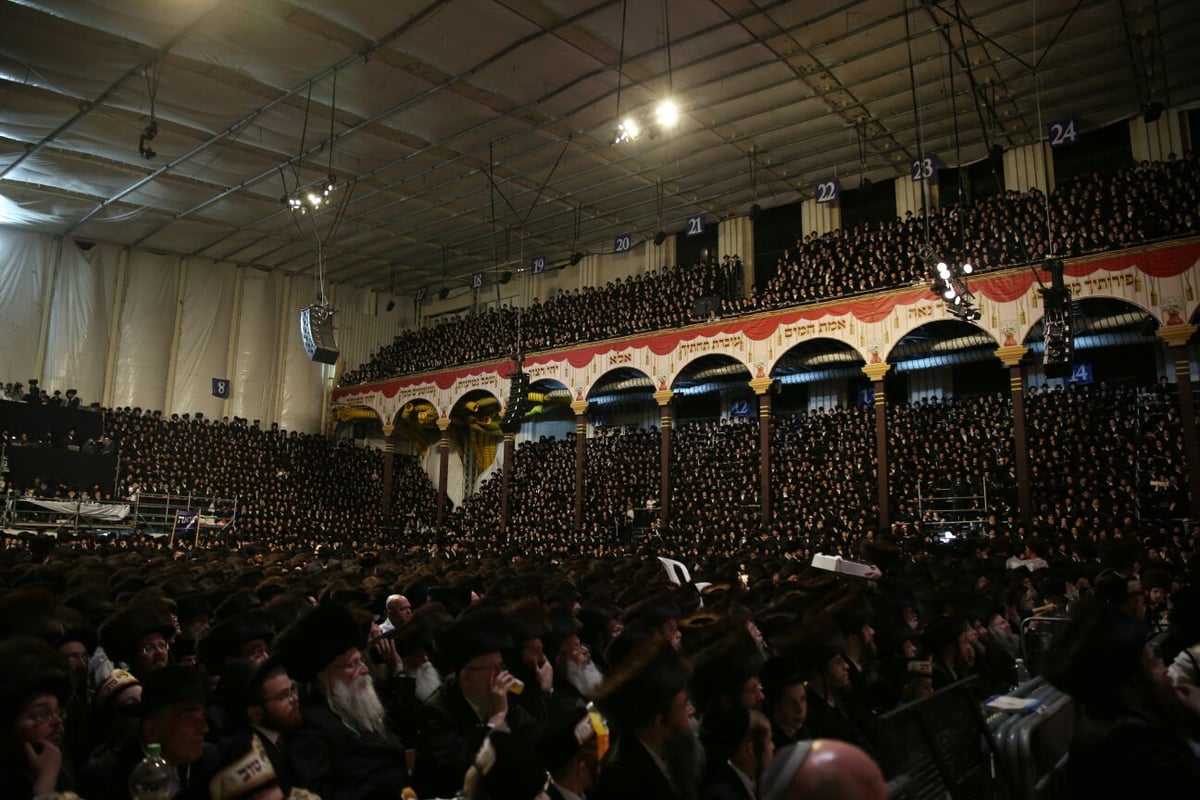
{"x": 345, "y": 747}
{"x": 471, "y": 702}
{"x": 262, "y": 703}
{"x": 172, "y": 714}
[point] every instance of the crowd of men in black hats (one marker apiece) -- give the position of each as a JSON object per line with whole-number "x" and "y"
{"x": 1098, "y": 212}
{"x": 218, "y": 654}
{"x": 508, "y": 676}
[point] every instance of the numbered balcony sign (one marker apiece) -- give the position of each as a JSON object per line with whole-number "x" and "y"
{"x": 923, "y": 169}
{"x": 422, "y": 293}
{"x": 827, "y": 191}
{"x": 537, "y": 265}
{"x": 1063, "y": 132}
{"x": 623, "y": 243}
{"x": 477, "y": 280}
{"x": 695, "y": 225}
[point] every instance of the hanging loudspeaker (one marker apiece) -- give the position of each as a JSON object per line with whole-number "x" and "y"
{"x": 316, "y": 331}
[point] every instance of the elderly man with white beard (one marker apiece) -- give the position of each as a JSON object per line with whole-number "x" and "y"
{"x": 345, "y": 748}
{"x": 576, "y": 676}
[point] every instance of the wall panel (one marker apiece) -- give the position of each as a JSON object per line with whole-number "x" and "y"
{"x": 147, "y": 326}
{"x": 256, "y": 362}
{"x": 204, "y": 337}
{"x": 85, "y": 286}
{"x": 26, "y": 261}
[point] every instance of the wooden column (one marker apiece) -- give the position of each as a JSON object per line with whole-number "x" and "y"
{"x": 1176, "y": 338}
{"x": 762, "y": 388}
{"x": 443, "y": 424}
{"x": 389, "y": 457}
{"x": 1011, "y": 358}
{"x": 663, "y": 398}
{"x": 580, "y": 409}
{"x": 506, "y": 479}
{"x": 876, "y": 372}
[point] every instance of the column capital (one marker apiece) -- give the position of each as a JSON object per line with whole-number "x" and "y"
{"x": 761, "y": 385}
{"x": 1011, "y": 356}
{"x": 663, "y": 396}
{"x": 876, "y": 371}
{"x": 443, "y": 424}
{"x": 509, "y": 438}
{"x": 388, "y": 429}
{"x": 1176, "y": 335}
{"x": 579, "y": 407}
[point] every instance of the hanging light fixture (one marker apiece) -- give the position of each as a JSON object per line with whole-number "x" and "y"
{"x": 318, "y": 195}
{"x": 665, "y": 116}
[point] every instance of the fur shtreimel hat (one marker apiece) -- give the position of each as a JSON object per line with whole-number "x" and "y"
{"x": 309, "y": 644}
{"x": 471, "y": 636}
{"x": 28, "y": 666}
{"x": 121, "y": 632}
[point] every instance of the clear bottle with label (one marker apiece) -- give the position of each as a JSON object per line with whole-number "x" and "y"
{"x": 153, "y": 778}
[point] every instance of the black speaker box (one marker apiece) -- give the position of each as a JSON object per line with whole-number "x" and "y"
{"x": 316, "y": 330}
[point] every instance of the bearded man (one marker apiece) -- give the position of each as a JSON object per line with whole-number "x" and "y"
{"x": 345, "y": 748}
{"x": 658, "y": 753}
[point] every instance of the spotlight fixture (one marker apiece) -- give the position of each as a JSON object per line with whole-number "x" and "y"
{"x": 1152, "y": 112}
{"x": 148, "y": 134}
{"x": 949, "y": 282}
{"x": 667, "y": 114}
{"x": 659, "y": 238}
{"x": 576, "y": 257}
{"x": 391, "y": 304}
{"x": 627, "y": 131}
{"x": 313, "y": 199}
{"x": 662, "y": 118}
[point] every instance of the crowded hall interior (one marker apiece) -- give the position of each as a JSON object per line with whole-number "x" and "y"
{"x": 599, "y": 400}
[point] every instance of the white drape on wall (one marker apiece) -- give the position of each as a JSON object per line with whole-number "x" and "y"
{"x": 25, "y": 263}
{"x": 257, "y": 346}
{"x": 119, "y": 326}
{"x": 208, "y": 300}
{"x": 147, "y": 328}
{"x": 85, "y": 286}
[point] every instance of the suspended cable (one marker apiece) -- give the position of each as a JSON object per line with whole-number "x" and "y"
{"x": 1037, "y": 94}
{"x": 912, "y": 78}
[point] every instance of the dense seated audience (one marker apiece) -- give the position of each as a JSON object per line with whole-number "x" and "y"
{"x": 823, "y": 478}
{"x": 952, "y": 456}
{"x": 779, "y": 649}
{"x": 1091, "y": 214}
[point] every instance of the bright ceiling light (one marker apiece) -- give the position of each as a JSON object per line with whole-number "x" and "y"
{"x": 667, "y": 114}
{"x": 627, "y": 130}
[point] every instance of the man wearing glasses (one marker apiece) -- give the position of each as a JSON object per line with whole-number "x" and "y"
{"x": 470, "y": 704}
{"x": 261, "y": 701}
{"x": 139, "y": 638}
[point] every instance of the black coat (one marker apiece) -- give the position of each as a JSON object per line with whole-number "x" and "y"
{"x": 1125, "y": 754}
{"x": 631, "y": 774}
{"x": 722, "y": 783}
{"x": 107, "y": 776}
{"x": 237, "y": 744}
{"x": 338, "y": 763}
{"x": 451, "y": 736}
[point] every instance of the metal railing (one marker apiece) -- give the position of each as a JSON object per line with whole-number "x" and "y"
{"x": 152, "y": 514}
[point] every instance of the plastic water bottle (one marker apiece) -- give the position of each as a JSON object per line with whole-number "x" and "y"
{"x": 1022, "y": 672}
{"x": 153, "y": 778}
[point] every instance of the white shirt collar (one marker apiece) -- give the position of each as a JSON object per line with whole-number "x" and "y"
{"x": 746, "y": 780}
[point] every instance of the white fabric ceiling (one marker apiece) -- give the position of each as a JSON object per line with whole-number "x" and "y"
{"x": 425, "y": 89}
